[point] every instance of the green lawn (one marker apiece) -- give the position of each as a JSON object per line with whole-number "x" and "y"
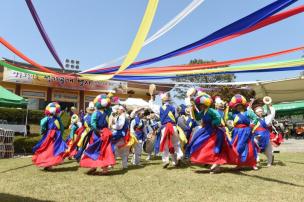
{"x": 21, "y": 181}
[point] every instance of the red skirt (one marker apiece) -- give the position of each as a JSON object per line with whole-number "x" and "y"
{"x": 213, "y": 149}
{"x": 235, "y": 157}
{"x": 99, "y": 153}
{"x": 48, "y": 154}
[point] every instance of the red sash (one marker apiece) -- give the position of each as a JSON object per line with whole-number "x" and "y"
{"x": 260, "y": 129}
{"x": 167, "y": 139}
{"x": 241, "y": 126}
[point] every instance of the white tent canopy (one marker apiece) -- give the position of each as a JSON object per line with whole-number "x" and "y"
{"x": 287, "y": 90}
{"x": 133, "y": 103}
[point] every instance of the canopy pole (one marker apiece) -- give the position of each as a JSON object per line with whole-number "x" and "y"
{"x": 25, "y": 133}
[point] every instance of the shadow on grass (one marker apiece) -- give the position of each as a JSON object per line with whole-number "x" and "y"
{"x": 63, "y": 169}
{"x": 17, "y": 168}
{"x": 110, "y": 173}
{"x": 223, "y": 170}
{"x": 13, "y": 198}
{"x": 275, "y": 163}
{"x": 242, "y": 173}
{"x": 182, "y": 165}
{"x": 68, "y": 162}
{"x": 270, "y": 179}
{"x": 295, "y": 162}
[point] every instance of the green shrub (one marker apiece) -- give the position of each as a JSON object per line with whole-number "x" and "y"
{"x": 23, "y": 145}
{"x": 18, "y": 115}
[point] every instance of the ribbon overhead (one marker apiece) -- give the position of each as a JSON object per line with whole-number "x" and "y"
{"x": 187, "y": 68}
{"x": 43, "y": 32}
{"x": 12, "y": 67}
{"x": 262, "y": 67}
{"x": 24, "y": 57}
{"x": 166, "y": 28}
{"x": 141, "y": 35}
{"x": 137, "y": 43}
{"x": 237, "y": 27}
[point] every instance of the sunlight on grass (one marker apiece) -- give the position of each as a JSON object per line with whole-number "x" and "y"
{"x": 21, "y": 181}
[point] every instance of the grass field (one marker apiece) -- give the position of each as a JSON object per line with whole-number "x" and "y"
{"x": 21, "y": 181}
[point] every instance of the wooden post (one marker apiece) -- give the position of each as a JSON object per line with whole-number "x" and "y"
{"x": 81, "y": 100}
{"x": 49, "y": 95}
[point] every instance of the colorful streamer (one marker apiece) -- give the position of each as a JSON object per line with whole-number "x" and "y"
{"x": 24, "y": 57}
{"x": 12, "y": 67}
{"x": 234, "y": 28}
{"x": 43, "y": 32}
{"x": 141, "y": 35}
{"x": 145, "y": 78}
{"x": 166, "y": 28}
{"x": 188, "y": 68}
{"x": 263, "y": 67}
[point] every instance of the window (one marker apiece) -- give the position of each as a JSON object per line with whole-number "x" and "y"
{"x": 33, "y": 94}
{"x": 36, "y": 104}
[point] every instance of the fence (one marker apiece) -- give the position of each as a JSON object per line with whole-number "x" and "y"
{"x": 6, "y": 143}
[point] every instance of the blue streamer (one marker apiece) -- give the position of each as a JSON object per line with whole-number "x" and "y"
{"x": 127, "y": 78}
{"x": 233, "y": 28}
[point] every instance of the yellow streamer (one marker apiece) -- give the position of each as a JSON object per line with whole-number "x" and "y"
{"x": 141, "y": 35}
{"x": 137, "y": 43}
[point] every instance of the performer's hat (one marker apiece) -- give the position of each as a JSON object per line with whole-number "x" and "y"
{"x": 188, "y": 111}
{"x": 91, "y": 107}
{"x": 74, "y": 118}
{"x": 121, "y": 107}
{"x": 219, "y": 103}
{"x": 115, "y": 100}
{"x": 102, "y": 101}
{"x": 52, "y": 108}
{"x": 203, "y": 99}
{"x": 238, "y": 100}
{"x": 165, "y": 97}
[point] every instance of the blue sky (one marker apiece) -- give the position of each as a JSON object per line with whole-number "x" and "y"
{"x": 95, "y": 31}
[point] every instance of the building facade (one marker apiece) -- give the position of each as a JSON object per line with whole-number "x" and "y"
{"x": 40, "y": 93}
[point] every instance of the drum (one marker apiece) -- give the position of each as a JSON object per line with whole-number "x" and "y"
{"x": 149, "y": 143}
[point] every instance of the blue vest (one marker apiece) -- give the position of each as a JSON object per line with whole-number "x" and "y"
{"x": 165, "y": 112}
{"x": 139, "y": 128}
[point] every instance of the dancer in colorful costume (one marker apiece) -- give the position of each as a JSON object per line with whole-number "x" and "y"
{"x": 153, "y": 137}
{"x": 73, "y": 137}
{"x": 120, "y": 125}
{"x": 137, "y": 128}
{"x": 242, "y": 136}
{"x": 86, "y": 131}
{"x": 262, "y": 132}
{"x": 186, "y": 122}
{"x": 170, "y": 143}
{"x": 209, "y": 144}
{"x": 50, "y": 150}
{"x": 99, "y": 152}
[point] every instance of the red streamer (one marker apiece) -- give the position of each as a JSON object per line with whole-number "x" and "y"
{"x": 206, "y": 66}
{"x": 21, "y": 55}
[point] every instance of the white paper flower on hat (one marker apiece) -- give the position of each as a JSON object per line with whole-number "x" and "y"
{"x": 218, "y": 100}
{"x": 104, "y": 102}
{"x": 91, "y": 105}
{"x": 52, "y": 110}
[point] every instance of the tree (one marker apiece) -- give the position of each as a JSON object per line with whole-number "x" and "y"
{"x": 226, "y": 92}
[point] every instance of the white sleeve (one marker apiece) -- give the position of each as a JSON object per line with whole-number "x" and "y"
{"x": 155, "y": 108}
{"x": 132, "y": 126}
{"x": 188, "y": 101}
{"x": 269, "y": 118}
{"x": 120, "y": 122}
